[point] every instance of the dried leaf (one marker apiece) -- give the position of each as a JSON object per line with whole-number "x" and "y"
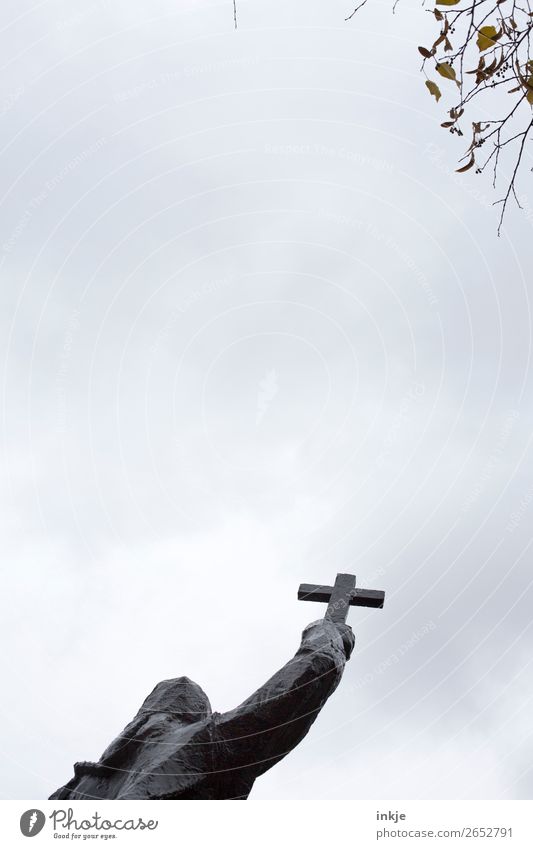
{"x": 500, "y": 63}
{"x": 529, "y": 95}
{"x": 526, "y": 83}
{"x": 434, "y": 90}
{"x": 448, "y": 2}
{"x": 468, "y": 165}
{"x": 425, "y": 52}
{"x": 446, "y": 71}
{"x": 487, "y": 37}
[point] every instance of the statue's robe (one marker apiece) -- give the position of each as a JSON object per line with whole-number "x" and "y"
{"x": 176, "y": 748}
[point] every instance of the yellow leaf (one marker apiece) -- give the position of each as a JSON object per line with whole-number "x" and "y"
{"x": 434, "y": 90}
{"x": 529, "y": 95}
{"x": 446, "y": 70}
{"x": 448, "y": 2}
{"x": 486, "y": 38}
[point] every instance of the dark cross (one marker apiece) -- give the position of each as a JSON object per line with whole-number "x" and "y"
{"x": 341, "y": 596}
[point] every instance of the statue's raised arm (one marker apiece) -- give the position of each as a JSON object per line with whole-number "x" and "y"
{"x": 263, "y": 729}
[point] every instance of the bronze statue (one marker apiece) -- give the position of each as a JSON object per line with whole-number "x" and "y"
{"x": 177, "y": 748}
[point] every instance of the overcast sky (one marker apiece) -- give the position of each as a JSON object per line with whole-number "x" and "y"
{"x": 255, "y": 331}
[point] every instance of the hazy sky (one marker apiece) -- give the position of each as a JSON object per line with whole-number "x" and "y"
{"x": 255, "y": 331}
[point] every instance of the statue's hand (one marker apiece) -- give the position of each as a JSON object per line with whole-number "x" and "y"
{"x": 348, "y": 639}
{"x": 327, "y": 630}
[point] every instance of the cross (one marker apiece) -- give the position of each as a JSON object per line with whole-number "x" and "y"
{"x": 341, "y": 596}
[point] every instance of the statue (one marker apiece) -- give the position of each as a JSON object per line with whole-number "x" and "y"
{"x": 177, "y": 748}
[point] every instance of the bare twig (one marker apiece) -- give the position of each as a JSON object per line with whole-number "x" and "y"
{"x": 360, "y": 6}
{"x": 511, "y": 190}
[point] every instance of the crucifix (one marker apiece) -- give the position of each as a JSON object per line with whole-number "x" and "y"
{"x": 339, "y": 597}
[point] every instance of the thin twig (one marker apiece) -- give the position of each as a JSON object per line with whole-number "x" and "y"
{"x": 360, "y": 6}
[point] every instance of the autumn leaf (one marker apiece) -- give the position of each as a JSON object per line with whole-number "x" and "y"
{"x": 434, "y": 90}
{"x": 468, "y": 165}
{"x": 529, "y": 95}
{"x": 527, "y": 84}
{"x": 425, "y": 52}
{"x": 447, "y": 2}
{"x": 446, "y": 71}
{"x": 487, "y": 37}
